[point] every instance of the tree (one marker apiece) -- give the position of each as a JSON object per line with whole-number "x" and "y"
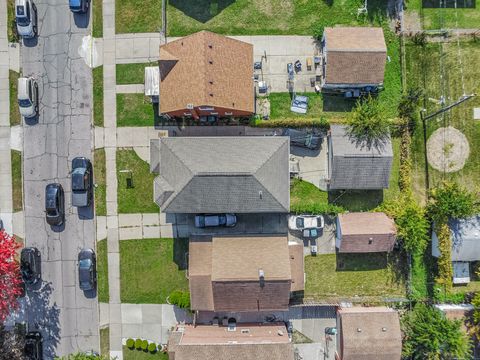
{"x": 449, "y": 200}
{"x": 11, "y": 343}
{"x": 413, "y": 228}
{"x": 428, "y": 334}
{"x": 367, "y": 123}
{"x": 10, "y": 280}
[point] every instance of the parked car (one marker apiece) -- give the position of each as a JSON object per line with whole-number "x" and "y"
{"x": 82, "y": 182}
{"x": 54, "y": 204}
{"x": 33, "y": 346}
{"x": 27, "y": 97}
{"x": 87, "y": 269}
{"x": 79, "y": 6}
{"x": 303, "y": 138}
{"x": 299, "y": 104}
{"x": 301, "y": 222}
{"x": 211, "y": 220}
{"x": 30, "y": 267}
{"x": 26, "y": 18}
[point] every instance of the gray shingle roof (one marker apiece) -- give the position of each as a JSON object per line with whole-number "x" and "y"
{"x": 221, "y": 174}
{"x": 354, "y": 165}
{"x": 465, "y": 239}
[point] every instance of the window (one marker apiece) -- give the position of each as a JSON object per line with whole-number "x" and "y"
{"x": 28, "y": 11}
{"x": 206, "y": 108}
{"x": 30, "y": 95}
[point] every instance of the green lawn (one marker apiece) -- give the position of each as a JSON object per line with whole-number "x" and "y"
{"x": 135, "y": 110}
{"x": 102, "y": 271}
{"x": 17, "y": 191}
{"x": 15, "y": 118}
{"x": 442, "y": 18}
{"x": 142, "y": 355}
{"x": 12, "y": 33}
{"x": 423, "y": 70}
{"x": 138, "y": 199}
{"x": 97, "y": 74}
{"x": 105, "y": 341}
{"x": 150, "y": 269}
{"x": 132, "y": 73}
{"x": 97, "y": 26}
{"x": 99, "y": 173}
{"x": 306, "y": 194}
{"x": 355, "y": 277}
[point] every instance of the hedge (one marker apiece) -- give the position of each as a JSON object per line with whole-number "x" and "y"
{"x": 180, "y": 298}
{"x": 144, "y": 345}
{"x": 138, "y": 344}
{"x": 321, "y": 123}
{"x": 152, "y": 347}
{"x": 130, "y": 343}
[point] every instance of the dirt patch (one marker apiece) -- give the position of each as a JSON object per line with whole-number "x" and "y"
{"x": 447, "y": 150}
{"x": 411, "y": 21}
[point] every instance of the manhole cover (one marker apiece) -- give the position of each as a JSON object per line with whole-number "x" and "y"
{"x": 447, "y": 149}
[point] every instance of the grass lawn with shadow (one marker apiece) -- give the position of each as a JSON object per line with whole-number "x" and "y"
{"x": 135, "y": 110}
{"x": 15, "y": 118}
{"x": 12, "y": 31}
{"x": 105, "y": 341}
{"x": 132, "y": 73}
{"x": 305, "y": 194}
{"x": 17, "y": 189}
{"x": 355, "y": 277}
{"x": 99, "y": 174}
{"x": 102, "y": 271}
{"x": 150, "y": 269}
{"x": 142, "y": 355}
{"x": 97, "y": 74}
{"x": 138, "y": 199}
{"x": 97, "y": 26}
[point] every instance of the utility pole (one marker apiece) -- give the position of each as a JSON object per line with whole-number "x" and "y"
{"x": 424, "y": 119}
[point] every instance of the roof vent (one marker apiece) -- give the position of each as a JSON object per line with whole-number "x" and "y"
{"x": 359, "y": 329}
{"x": 384, "y": 329}
{"x": 280, "y": 333}
{"x": 210, "y": 62}
{"x": 210, "y": 46}
{"x": 245, "y": 331}
{"x": 260, "y": 194}
{"x": 211, "y": 94}
{"x": 190, "y": 106}
{"x": 261, "y": 277}
{"x": 210, "y": 82}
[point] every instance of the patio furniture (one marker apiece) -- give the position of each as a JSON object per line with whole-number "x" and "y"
{"x": 317, "y": 60}
{"x": 309, "y": 63}
{"x": 312, "y": 81}
{"x": 298, "y": 66}
{"x": 310, "y": 233}
{"x": 299, "y": 104}
{"x": 257, "y": 65}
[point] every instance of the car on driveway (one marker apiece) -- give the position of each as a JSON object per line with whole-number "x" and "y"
{"x": 303, "y": 138}
{"x": 82, "y": 182}
{"x": 87, "y": 269}
{"x": 30, "y": 267}
{"x": 33, "y": 346}
{"x": 299, "y": 104}
{"x": 212, "y": 220}
{"x": 26, "y": 18}
{"x": 27, "y": 97}
{"x": 79, "y": 6}
{"x": 302, "y": 222}
{"x": 54, "y": 204}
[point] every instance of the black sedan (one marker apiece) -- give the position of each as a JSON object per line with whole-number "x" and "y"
{"x": 54, "y": 204}
{"x": 82, "y": 182}
{"x": 303, "y": 138}
{"x": 30, "y": 265}
{"x": 33, "y": 346}
{"x": 87, "y": 269}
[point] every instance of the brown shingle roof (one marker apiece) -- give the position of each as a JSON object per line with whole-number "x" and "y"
{"x": 355, "y": 55}
{"x": 366, "y": 223}
{"x": 297, "y": 267}
{"x": 199, "y": 271}
{"x": 369, "y": 334}
{"x": 206, "y": 69}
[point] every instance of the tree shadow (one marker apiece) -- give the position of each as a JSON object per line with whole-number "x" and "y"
{"x": 180, "y": 253}
{"x": 336, "y": 103}
{"x": 201, "y": 10}
{"x": 361, "y": 261}
{"x": 44, "y": 317}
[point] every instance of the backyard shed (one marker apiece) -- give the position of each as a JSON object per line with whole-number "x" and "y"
{"x": 365, "y": 232}
{"x": 357, "y": 165}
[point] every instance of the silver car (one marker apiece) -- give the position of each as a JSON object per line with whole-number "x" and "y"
{"x": 26, "y": 18}
{"x": 212, "y": 220}
{"x": 27, "y": 97}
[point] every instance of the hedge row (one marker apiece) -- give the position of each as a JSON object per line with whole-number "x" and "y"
{"x": 143, "y": 345}
{"x": 321, "y": 123}
{"x": 317, "y": 208}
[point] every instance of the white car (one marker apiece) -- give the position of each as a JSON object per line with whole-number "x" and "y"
{"x": 301, "y": 222}
{"x": 26, "y": 18}
{"x": 27, "y": 97}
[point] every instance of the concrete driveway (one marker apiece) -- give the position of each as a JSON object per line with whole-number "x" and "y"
{"x": 325, "y": 241}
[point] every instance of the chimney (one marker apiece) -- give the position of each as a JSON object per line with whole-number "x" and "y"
{"x": 261, "y": 277}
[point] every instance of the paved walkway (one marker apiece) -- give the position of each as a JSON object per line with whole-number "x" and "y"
{"x": 131, "y": 89}
{"x": 137, "y": 48}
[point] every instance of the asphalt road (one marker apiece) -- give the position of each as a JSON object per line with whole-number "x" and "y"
{"x": 66, "y": 316}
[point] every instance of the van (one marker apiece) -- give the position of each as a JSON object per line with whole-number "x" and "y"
{"x": 27, "y": 97}
{"x": 26, "y": 18}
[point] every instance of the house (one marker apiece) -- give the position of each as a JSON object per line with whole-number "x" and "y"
{"x": 353, "y": 58}
{"x": 354, "y": 165}
{"x": 244, "y": 273}
{"x": 246, "y": 341}
{"x": 206, "y": 74}
{"x": 365, "y": 232}
{"x": 465, "y": 236}
{"x": 221, "y": 174}
{"x": 368, "y": 333}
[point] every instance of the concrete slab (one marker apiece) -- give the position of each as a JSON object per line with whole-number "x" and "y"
{"x": 133, "y": 331}
{"x": 130, "y": 233}
{"x": 101, "y": 227}
{"x": 131, "y": 314}
{"x": 151, "y": 232}
{"x": 129, "y": 220}
{"x": 143, "y": 153}
{"x": 112, "y": 222}
{"x": 167, "y": 231}
{"x": 152, "y": 313}
{"x": 150, "y": 219}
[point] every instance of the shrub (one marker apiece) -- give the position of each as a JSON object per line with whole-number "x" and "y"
{"x": 318, "y": 30}
{"x": 152, "y": 347}
{"x": 444, "y": 263}
{"x": 449, "y": 200}
{"x": 130, "y": 343}
{"x": 180, "y": 298}
{"x": 144, "y": 345}
{"x": 138, "y": 344}
{"x": 321, "y": 123}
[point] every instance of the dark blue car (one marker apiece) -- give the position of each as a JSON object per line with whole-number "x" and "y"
{"x": 79, "y": 6}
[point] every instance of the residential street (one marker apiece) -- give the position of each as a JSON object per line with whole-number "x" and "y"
{"x": 67, "y": 318}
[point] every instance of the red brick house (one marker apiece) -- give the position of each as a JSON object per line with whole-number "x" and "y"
{"x": 206, "y": 74}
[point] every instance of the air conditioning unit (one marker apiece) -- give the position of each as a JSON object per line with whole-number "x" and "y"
{"x": 190, "y": 106}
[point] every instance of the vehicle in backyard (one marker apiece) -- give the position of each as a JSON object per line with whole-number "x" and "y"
{"x": 79, "y": 6}
{"x": 299, "y": 104}
{"x": 27, "y": 97}
{"x": 212, "y": 220}
{"x": 303, "y": 138}
{"x": 87, "y": 269}
{"x": 54, "y": 204}
{"x": 26, "y": 18}
{"x": 30, "y": 267}
{"x": 302, "y": 222}
{"x": 33, "y": 346}
{"x": 82, "y": 182}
